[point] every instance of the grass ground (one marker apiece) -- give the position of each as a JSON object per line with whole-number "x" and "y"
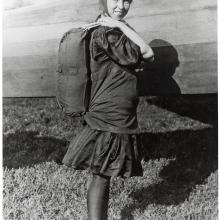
{"x": 180, "y": 162}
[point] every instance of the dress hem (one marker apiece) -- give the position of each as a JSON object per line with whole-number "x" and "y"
{"x": 108, "y": 173}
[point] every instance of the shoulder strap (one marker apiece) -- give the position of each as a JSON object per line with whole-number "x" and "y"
{"x": 87, "y": 37}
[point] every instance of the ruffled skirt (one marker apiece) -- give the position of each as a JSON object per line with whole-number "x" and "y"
{"x": 105, "y": 153}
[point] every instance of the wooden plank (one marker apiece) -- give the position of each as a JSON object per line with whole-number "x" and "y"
{"x": 29, "y": 62}
{"x": 28, "y": 55}
{"x": 72, "y": 10}
{"x": 196, "y": 73}
{"x": 187, "y": 69}
{"x": 174, "y": 28}
{"x": 178, "y": 30}
{"x": 42, "y": 47}
{"x": 31, "y": 33}
{"x": 40, "y": 15}
{"x": 29, "y": 83}
{"x": 196, "y": 51}
{"x": 41, "y": 82}
{"x": 197, "y": 77}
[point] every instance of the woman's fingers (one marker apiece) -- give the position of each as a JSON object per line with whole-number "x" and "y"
{"x": 102, "y": 22}
{"x": 108, "y": 21}
{"x": 91, "y": 25}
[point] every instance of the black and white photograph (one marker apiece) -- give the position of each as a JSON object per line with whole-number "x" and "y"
{"x": 109, "y": 110}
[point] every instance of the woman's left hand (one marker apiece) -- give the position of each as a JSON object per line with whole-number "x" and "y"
{"x": 109, "y": 22}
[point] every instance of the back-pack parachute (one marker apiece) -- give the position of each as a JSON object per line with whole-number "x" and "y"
{"x": 73, "y": 72}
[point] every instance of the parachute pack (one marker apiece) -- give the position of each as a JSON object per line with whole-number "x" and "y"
{"x": 73, "y": 72}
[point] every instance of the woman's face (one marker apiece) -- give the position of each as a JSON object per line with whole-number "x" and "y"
{"x": 118, "y": 9}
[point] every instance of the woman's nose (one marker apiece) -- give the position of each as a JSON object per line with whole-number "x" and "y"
{"x": 120, "y": 4}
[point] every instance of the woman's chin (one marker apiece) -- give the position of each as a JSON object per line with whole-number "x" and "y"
{"x": 118, "y": 18}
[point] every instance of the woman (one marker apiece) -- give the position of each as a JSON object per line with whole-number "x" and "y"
{"x": 107, "y": 145}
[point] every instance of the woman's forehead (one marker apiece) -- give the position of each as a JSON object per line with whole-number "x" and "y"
{"x": 103, "y": 3}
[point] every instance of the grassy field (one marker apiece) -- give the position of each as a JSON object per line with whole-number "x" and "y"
{"x": 180, "y": 162}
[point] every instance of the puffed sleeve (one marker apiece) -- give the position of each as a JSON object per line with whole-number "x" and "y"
{"x": 111, "y": 43}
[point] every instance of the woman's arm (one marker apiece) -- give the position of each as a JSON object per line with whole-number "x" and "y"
{"x": 145, "y": 49}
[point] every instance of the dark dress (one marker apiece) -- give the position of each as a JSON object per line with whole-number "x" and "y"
{"x": 108, "y": 144}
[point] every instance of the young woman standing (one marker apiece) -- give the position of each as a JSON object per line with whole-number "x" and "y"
{"x": 107, "y": 146}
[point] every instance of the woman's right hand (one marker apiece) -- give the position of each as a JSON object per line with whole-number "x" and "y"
{"x": 109, "y": 22}
{"x": 90, "y": 25}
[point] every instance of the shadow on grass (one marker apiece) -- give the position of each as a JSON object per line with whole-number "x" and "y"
{"x": 23, "y": 149}
{"x": 201, "y": 107}
{"x": 196, "y": 154}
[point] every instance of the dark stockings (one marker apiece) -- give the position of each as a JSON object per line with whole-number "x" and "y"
{"x": 98, "y": 197}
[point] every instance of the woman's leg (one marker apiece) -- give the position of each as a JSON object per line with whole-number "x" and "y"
{"x": 98, "y": 197}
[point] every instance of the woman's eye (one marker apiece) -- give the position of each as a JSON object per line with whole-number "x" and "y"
{"x": 127, "y": 2}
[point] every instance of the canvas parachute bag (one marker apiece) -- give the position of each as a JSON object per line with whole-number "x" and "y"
{"x": 73, "y": 72}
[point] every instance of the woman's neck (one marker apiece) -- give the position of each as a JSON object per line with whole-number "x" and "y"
{"x": 102, "y": 15}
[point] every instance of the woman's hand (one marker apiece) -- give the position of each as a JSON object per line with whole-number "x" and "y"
{"x": 109, "y": 22}
{"x": 90, "y": 25}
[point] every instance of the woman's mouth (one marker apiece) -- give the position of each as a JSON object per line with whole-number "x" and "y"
{"x": 119, "y": 12}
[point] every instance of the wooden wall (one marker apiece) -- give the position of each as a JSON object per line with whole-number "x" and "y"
{"x": 183, "y": 35}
